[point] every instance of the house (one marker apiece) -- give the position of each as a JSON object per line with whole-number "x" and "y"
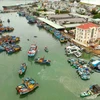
{"x": 87, "y": 32}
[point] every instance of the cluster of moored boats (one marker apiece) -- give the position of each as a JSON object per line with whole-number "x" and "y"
{"x": 4, "y": 29}
{"x": 56, "y": 33}
{"x": 84, "y": 69}
{"x": 81, "y": 68}
{"x": 53, "y": 31}
{"x": 8, "y": 44}
{"x": 31, "y": 19}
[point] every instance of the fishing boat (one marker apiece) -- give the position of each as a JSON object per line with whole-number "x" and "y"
{"x": 31, "y": 21}
{"x": 46, "y": 49}
{"x": 9, "y": 50}
{"x": 42, "y": 61}
{"x": 78, "y": 54}
{"x": 51, "y": 30}
{"x": 16, "y": 48}
{"x": 21, "y": 13}
{"x": 57, "y": 34}
{"x": 22, "y": 69}
{"x": 8, "y": 20}
{"x": 27, "y": 86}
{"x": 12, "y": 48}
{"x": 2, "y": 49}
{"x": 32, "y": 51}
{"x": 83, "y": 73}
{"x": 93, "y": 90}
{"x": 40, "y": 24}
{"x": 62, "y": 39}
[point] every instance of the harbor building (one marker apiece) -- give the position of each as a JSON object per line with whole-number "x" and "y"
{"x": 87, "y": 32}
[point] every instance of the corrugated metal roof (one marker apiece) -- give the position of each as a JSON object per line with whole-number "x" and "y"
{"x": 56, "y": 26}
{"x": 71, "y": 25}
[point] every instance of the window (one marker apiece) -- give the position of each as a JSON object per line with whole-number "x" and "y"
{"x": 92, "y": 33}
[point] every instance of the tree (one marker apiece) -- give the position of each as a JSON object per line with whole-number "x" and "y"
{"x": 94, "y": 11}
{"x": 74, "y": 1}
{"x": 96, "y": 16}
{"x": 78, "y": 0}
{"x": 56, "y": 11}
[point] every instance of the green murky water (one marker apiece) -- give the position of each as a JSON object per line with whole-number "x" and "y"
{"x": 57, "y": 82}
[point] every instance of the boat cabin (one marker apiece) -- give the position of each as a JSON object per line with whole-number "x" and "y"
{"x": 95, "y": 64}
{"x": 95, "y": 89}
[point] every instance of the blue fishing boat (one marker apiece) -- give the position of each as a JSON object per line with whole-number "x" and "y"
{"x": 52, "y": 30}
{"x": 33, "y": 50}
{"x": 2, "y": 49}
{"x": 20, "y": 13}
{"x": 22, "y": 69}
{"x": 28, "y": 85}
{"x": 42, "y": 61}
{"x": 57, "y": 34}
{"x": 31, "y": 19}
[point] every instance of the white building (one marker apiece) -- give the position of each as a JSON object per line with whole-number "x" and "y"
{"x": 87, "y": 32}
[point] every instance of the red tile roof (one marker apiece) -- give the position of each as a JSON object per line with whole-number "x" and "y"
{"x": 87, "y": 25}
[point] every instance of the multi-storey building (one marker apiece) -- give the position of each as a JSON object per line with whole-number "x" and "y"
{"x": 87, "y": 32}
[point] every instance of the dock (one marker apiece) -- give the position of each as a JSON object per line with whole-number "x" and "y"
{"x": 54, "y": 25}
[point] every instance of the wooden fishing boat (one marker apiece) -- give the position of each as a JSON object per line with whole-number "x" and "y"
{"x": 42, "y": 61}
{"x": 93, "y": 90}
{"x": 57, "y": 34}
{"x": 33, "y": 50}
{"x": 22, "y": 69}
{"x": 27, "y": 86}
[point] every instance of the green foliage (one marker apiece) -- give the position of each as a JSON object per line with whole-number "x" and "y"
{"x": 64, "y": 11}
{"x": 68, "y": 29}
{"x": 96, "y": 16}
{"x": 61, "y": 11}
{"x": 42, "y": 9}
{"x": 36, "y": 14}
{"x": 57, "y": 11}
{"x": 74, "y": 0}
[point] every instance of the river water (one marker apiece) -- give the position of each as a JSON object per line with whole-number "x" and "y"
{"x": 57, "y": 82}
